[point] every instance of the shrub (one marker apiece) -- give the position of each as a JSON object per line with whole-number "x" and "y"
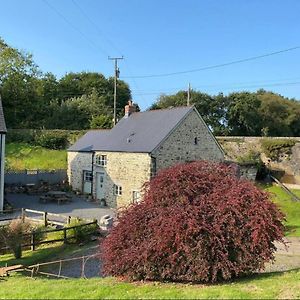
{"x": 273, "y": 148}
{"x": 13, "y": 235}
{"x": 52, "y": 140}
{"x": 36, "y": 137}
{"x": 21, "y": 136}
{"x": 197, "y": 222}
{"x": 252, "y": 157}
{"x": 83, "y": 233}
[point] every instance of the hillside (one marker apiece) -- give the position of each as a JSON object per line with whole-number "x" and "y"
{"x": 20, "y": 156}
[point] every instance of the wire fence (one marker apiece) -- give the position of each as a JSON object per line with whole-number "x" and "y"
{"x": 85, "y": 266}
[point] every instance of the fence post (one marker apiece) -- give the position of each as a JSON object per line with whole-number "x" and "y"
{"x": 23, "y": 215}
{"x": 33, "y": 241}
{"x": 45, "y": 219}
{"x": 65, "y": 235}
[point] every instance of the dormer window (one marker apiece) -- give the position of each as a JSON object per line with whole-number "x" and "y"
{"x": 195, "y": 141}
{"x": 101, "y": 160}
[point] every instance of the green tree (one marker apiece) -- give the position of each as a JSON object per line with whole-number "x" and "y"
{"x": 18, "y": 82}
{"x": 101, "y": 122}
{"x": 276, "y": 114}
{"x": 243, "y": 114}
{"x": 211, "y": 108}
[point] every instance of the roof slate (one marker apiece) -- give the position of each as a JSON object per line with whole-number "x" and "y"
{"x": 140, "y": 132}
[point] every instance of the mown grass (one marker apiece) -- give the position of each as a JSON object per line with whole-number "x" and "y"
{"x": 272, "y": 286}
{"x": 20, "y": 156}
{"x": 289, "y": 207}
{"x": 31, "y": 257}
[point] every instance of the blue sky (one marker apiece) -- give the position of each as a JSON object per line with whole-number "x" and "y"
{"x": 162, "y": 36}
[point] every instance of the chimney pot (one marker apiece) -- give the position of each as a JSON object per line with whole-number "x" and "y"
{"x": 129, "y": 109}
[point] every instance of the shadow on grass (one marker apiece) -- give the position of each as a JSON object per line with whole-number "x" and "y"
{"x": 31, "y": 257}
{"x": 290, "y": 229}
{"x": 260, "y": 276}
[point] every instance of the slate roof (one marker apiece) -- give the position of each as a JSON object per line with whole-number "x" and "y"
{"x": 2, "y": 120}
{"x": 140, "y": 132}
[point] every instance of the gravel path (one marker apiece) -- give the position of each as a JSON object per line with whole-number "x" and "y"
{"x": 286, "y": 259}
{"x": 77, "y": 268}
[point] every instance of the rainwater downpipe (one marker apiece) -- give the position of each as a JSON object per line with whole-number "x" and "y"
{"x": 92, "y": 184}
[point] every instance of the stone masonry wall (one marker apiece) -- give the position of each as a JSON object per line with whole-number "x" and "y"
{"x": 239, "y": 146}
{"x": 77, "y": 162}
{"x": 180, "y": 146}
{"x": 128, "y": 170}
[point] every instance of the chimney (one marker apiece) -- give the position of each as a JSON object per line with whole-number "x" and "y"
{"x": 129, "y": 109}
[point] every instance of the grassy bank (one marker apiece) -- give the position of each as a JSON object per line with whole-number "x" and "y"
{"x": 289, "y": 207}
{"x": 285, "y": 285}
{"x": 20, "y": 156}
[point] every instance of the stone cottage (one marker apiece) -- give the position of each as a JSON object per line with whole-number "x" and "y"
{"x": 113, "y": 165}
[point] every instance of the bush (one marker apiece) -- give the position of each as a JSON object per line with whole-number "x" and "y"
{"x": 273, "y": 148}
{"x": 40, "y": 137}
{"x": 197, "y": 222}
{"x": 252, "y": 157}
{"x": 13, "y": 235}
{"x": 83, "y": 233}
{"x": 52, "y": 140}
{"x": 21, "y": 136}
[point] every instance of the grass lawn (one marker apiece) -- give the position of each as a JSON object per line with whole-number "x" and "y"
{"x": 20, "y": 156}
{"x": 43, "y": 253}
{"x": 273, "y": 285}
{"x": 289, "y": 207}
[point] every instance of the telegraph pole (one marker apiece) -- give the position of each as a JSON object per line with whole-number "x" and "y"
{"x": 117, "y": 73}
{"x": 189, "y": 95}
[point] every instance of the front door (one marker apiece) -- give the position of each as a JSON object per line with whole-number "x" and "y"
{"x": 87, "y": 182}
{"x": 100, "y": 184}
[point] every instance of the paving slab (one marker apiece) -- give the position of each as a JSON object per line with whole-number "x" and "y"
{"x": 78, "y": 207}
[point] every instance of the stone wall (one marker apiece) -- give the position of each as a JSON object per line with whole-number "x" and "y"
{"x": 128, "y": 170}
{"x": 236, "y": 147}
{"x": 248, "y": 172}
{"x": 77, "y": 162}
{"x": 180, "y": 146}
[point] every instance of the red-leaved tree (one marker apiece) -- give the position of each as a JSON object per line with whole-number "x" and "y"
{"x": 197, "y": 222}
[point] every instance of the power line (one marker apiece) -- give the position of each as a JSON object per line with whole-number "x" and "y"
{"x": 235, "y": 87}
{"x": 100, "y": 32}
{"x": 75, "y": 28}
{"x": 216, "y": 66}
{"x": 257, "y": 82}
{"x": 96, "y": 27}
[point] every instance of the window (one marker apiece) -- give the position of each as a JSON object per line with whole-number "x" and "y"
{"x": 117, "y": 190}
{"x": 101, "y": 160}
{"x": 153, "y": 167}
{"x": 87, "y": 176}
{"x": 136, "y": 197}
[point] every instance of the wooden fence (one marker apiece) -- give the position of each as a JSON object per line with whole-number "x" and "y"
{"x": 34, "y": 242}
{"x": 43, "y": 217}
{"x": 46, "y": 219}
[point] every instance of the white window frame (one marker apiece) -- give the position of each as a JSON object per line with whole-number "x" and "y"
{"x": 136, "y": 196}
{"x": 101, "y": 160}
{"x": 118, "y": 190}
{"x": 87, "y": 176}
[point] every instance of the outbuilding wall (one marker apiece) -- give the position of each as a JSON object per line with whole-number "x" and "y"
{"x": 180, "y": 146}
